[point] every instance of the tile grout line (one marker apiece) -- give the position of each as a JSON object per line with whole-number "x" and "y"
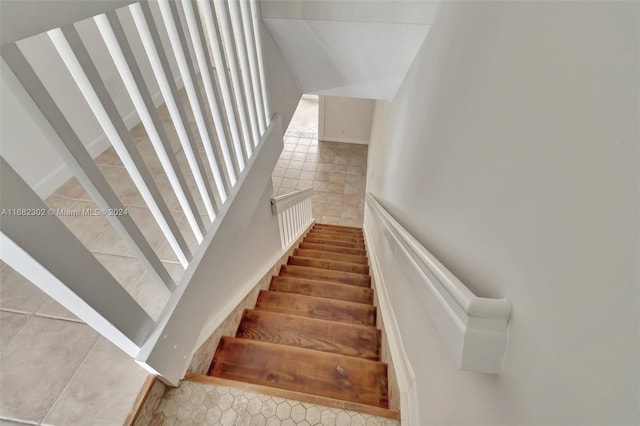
{"x": 75, "y": 373}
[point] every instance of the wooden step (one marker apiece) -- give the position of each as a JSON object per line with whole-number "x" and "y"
{"x": 338, "y": 233}
{"x": 334, "y": 265}
{"x": 340, "y": 228}
{"x": 333, "y": 256}
{"x": 325, "y": 241}
{"x": 332, "y": 249}
{"x": 325, "y": 275}
{"x": 302, "y": 370}
{"x": 310, "y": 333}
{"x": 346, "y": 292}
{"x": 317, "y": 307}
{"x": 333, "y": 236}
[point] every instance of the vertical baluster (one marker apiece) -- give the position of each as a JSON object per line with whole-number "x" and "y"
{"x": 122, "y": 55}
{"x": 221, "y": 71}
{"x": 281, "y": 228}
{"x": 238, "y": 91}
{"x": 187, "y": 72}
{"x": 47, "y": 253}
{"x": 263, "y": 82}
{"x": 150, "y": 38}
{"x": 75, "y": 56}
{"x": 247, "y": 24}
{"x": 194, "y": 27}
{"x": 238, "y": 35}
{"x": 289, "y": 225}
{"x": 34, "y": 97}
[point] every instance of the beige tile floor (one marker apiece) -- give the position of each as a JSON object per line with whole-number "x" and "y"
{"x": 196, "y": 403}
{"x": 336, "y": 171}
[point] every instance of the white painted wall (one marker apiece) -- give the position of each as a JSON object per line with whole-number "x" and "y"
{"x": 284, "y": 92}
{"x": 355, "y": 59}
{"x": 345, "y": 119}
{"x": 511, "y": 152}
{"x": 25, "y": 147}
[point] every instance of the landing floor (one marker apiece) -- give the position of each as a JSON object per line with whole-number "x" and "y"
{"x": 210, "y": 404}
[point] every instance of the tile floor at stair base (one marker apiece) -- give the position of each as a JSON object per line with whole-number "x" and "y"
{"x": 196, "y": 403}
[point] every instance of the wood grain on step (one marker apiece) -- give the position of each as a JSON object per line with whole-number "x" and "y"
{"x": 340, "y": 228}
{"x": 310, "y": 333}
{"x": 333, "y": 256}
{"x": 306, "y": 287}
{"x": 334, "y": 236}
{"x": 302, "y": 370}
{"x": 334, "y": 243}
{"x": 325, "y": 275}
{"x": 332, "y": 249}
{"x": 317, "y": 307}
{"x": 333, "y": 265}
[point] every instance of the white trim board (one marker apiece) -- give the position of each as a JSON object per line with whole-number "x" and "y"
{"x": 344, "y": 140}
{"x": 409, "y": 402}
{"x": 474, "y": 329}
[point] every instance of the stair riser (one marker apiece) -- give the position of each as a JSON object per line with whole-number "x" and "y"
{"x": 333, "y": 249}
{"x": 311, "y": 240}
{"x": 316, "y": 307}
{"x": 329, "y": 264}
{"x": 319, "y": 335}
{"x": 331, "y": 256}
{"x": 325, "y": 275}
{"x": 337, "y": 237}
{"x": 337, "y": 228}
{"x": 347, "y": 293}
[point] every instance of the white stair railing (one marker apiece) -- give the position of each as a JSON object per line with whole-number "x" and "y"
{"x": 232, "y": 122}
{"x": 294, "y": 214}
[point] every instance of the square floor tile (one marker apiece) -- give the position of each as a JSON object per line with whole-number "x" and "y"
{"x": 102, "y": 390}
{"x": 37, "y": 364}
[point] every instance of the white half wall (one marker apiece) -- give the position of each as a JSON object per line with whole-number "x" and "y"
{"x": 345, "y": 119}
{"x": 511, "y": 152}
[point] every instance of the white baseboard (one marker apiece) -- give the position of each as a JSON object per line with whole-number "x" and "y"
{"x": 344, "y": 140}
{"x": 409, "y": 403}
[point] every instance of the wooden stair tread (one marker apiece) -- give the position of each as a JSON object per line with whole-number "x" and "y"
{"x": 335, "y": 236}
{"x": 325, "y": 275}
{"x": 311, "y": 333}
{"x": 317, "y": 307}
{"x": 302, "y": 370}
{"x": 329, "y": 255}
{"x": 332, "y": 249}
{"x": 334, "y": 265}
{"x": 312, "y": 240}
{"x": 307, "y": 287}
{"x": 338, "y": 227}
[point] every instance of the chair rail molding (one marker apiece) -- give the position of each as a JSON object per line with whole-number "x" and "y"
{"x": 475, "y": 329}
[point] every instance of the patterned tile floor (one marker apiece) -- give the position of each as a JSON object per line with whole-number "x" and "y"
{"x": 196, "y": 403}
{"x": 336, "y": 171}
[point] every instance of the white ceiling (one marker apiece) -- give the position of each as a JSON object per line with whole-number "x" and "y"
{"x": 348, "y": 58}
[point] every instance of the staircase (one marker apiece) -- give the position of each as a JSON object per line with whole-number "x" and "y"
{"x": 314, "y": 331}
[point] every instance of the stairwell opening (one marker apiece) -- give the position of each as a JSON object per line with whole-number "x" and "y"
{"x": 335, "y": 170}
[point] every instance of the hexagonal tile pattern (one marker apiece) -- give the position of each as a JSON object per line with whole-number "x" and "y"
{"x": 196, "y": 403}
